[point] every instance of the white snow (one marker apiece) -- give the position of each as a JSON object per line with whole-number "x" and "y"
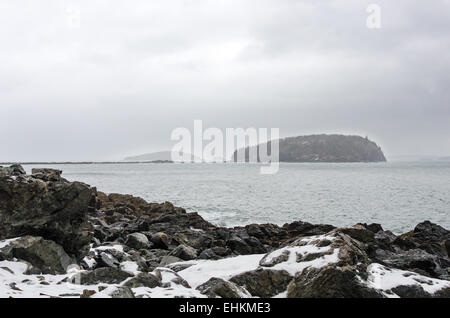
{"x": 117, "y": 247}
{"x": 14, "y": 283}
{"x": 292, "y": 267}
{"x": 171, "y": 292}
{"x": 7, "y": 242}
{"x": 226, "y": 268}
{"x": 384, "y": 279}
{"x": 19, "y": 285}
{"x": 130, "y": 267}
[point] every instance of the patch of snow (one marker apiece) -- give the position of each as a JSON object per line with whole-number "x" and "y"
{"x": 19, "y": 285}
{"x": 281, "y": 295}
{"x": 130, "y": 267}
{"x": 384, "y": 279}
{"x": 293, "y": 267}
{"x": 196, "y": 230}
{"x": 116, "y": 247}
{"x": 225, "y": 268}
{"x": 5, "y": 243}
{"x": 171, "y": 292}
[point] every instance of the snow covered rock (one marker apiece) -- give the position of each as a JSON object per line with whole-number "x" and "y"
{"x": 217, "y": 287}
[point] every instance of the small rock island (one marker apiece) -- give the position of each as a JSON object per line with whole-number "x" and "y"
{"x": 324, "y": 148}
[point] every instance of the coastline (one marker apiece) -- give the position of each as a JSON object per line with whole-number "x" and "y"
{"x": 89, "y": 244}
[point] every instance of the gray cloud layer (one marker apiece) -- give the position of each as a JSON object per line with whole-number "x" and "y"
{"x": 133, "y": 71}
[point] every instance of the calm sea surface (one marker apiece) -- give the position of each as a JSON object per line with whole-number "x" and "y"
{"x": 398, "y": 195}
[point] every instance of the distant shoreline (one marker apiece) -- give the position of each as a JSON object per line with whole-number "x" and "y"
{"x": 83, "y": 162}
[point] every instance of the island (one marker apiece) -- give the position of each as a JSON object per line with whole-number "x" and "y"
{"x": 321, "y": 148}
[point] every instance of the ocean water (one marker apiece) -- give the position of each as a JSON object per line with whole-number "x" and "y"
{"x": 397, "y": 195}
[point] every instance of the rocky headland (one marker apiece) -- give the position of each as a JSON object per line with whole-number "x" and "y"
{"x": 66, "y": 239}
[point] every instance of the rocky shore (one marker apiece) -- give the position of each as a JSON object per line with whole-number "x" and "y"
{"x": 66, "y": 239}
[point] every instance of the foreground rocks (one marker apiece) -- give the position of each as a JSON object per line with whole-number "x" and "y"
{"x": 90, "y": 244}
{"x": 46, "y": 205}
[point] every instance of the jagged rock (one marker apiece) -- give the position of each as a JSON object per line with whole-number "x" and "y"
{"x": 46, "y": 174}
{"x": 13, "y": 170}
{"x": 45, "y": 256}
{"x": 143, "y": 280}
{"x": 217, "y": 287}
{"x": 330, "y": 282}
{"x": 53, "y": 210}
{"x": 385, "y": 239}
{"x": 299, "y": 228}
{"x": 415, "y": 259}
{"x": 263, "y": 282}
{"x": 184, "y": 252}
{"x": 359, "y": 233}
{"x": 431, "y": 237}
{"x": 428, "y": 231}
{"x": 410, "y": 291}
{"x": 106, "y": 275}
{"x": 238, "y": 246}
{"x": 341, "y": 276}
{"x": 137, "y": 241}
{"x": 107, "y": 260}
{"x": 168, "y": 276}
{"x": 179, "y": 217}
{"x": 374, "y": 227}
{"x": 215, "y": 253}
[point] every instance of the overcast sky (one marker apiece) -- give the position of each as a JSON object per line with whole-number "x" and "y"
{"x": 119, "y": 81}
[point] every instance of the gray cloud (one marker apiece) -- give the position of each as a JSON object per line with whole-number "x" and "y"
{"x": 132, "y": 72}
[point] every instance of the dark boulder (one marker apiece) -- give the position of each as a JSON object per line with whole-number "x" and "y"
{"x": 143, "y": 280}
{"x": 415, "y": 260}
{"x": 105, "y": 275}
{"x": 410, "y": 291}
{"x": 215, "y": 253}
{"x": 13, "y": 170}
{"x": 45, "y": 256}
{"x": 330, "y": 282}
{"x": 54, "y": 210}
{"x": 168, "y": 276}
{"x": 263, "y": 282}
{"x": 46, "y": 174}
{"x": 217, "y": 287}
{"x": 107, "y": 260}
{"x": 137, "y": 241}
{"x": 184, "y": 252}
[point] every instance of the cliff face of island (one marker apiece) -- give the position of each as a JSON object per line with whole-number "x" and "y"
{"x": 324, "y": 148}
{"x": 90, "y": 244}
